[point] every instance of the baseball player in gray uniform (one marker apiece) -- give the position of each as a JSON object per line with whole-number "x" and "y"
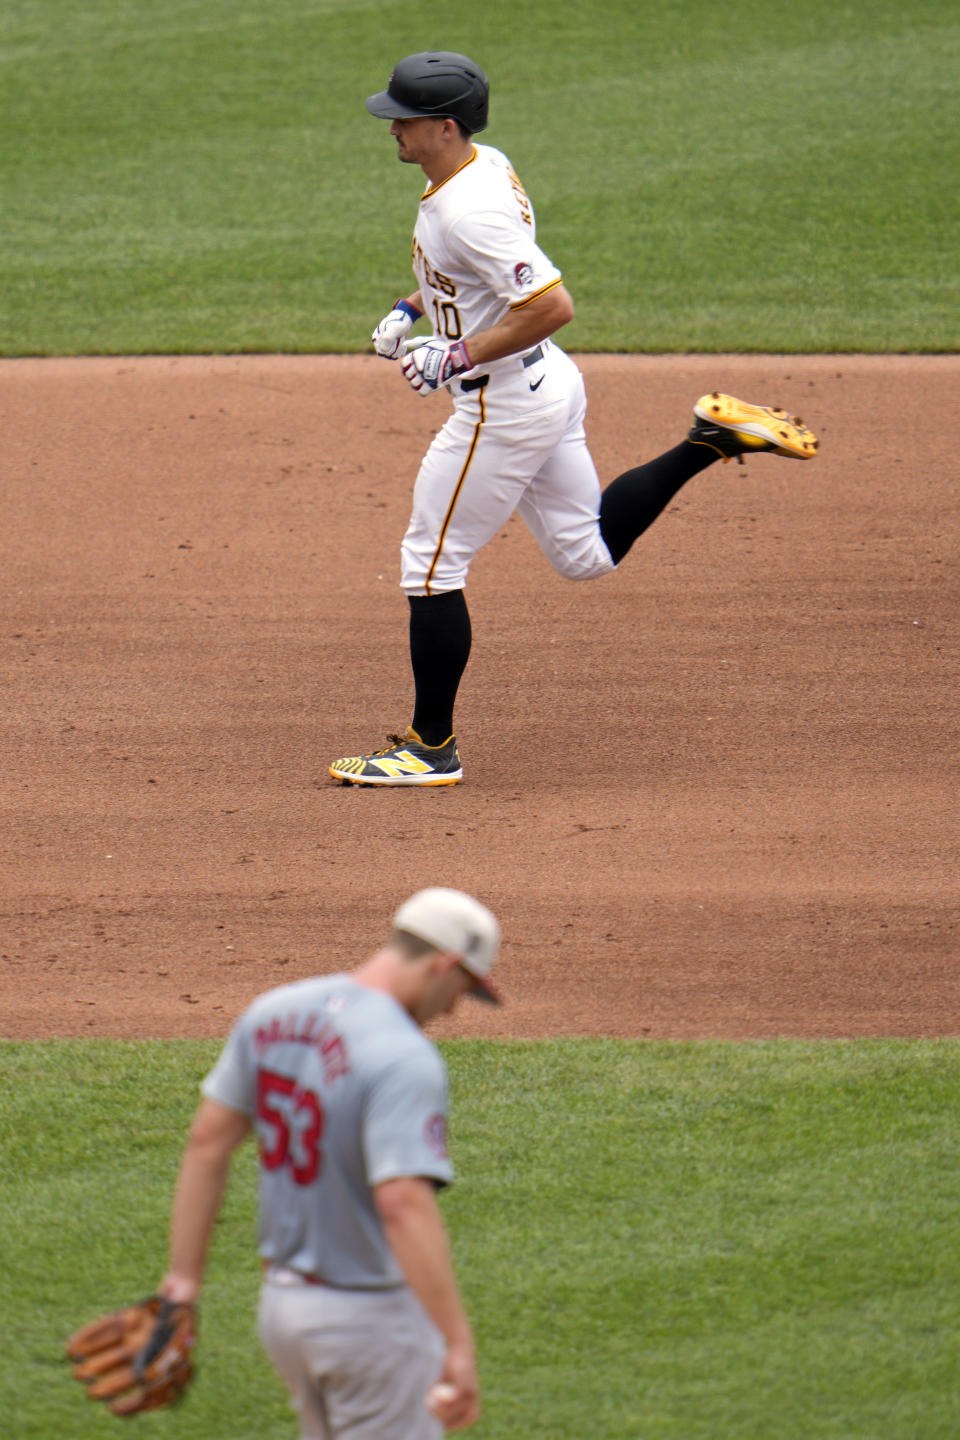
{"x": 515, "y": 440}
{"x": 360, "y": 1311}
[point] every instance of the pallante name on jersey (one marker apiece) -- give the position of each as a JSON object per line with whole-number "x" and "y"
{"x": 299, "y": 1030}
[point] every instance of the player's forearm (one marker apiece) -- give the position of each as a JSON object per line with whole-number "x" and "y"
{"x": 523, "y": 328}
{"x": 201, "y": 1181}
{"x": 415, "y": 1233}
{"x": 197, "y": 1198}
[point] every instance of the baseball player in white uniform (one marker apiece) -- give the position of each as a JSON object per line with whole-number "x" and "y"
{"x": 515, "y": 440}
{"x": 360, "y": 1311}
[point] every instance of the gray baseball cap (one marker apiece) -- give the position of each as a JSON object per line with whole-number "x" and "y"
{"x": 455, "y": 922}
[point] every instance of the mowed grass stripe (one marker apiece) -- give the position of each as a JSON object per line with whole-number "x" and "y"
{"x": 655, "y": 1240}
{"x": 204, "y": 177}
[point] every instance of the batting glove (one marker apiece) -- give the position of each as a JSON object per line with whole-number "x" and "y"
{"x": 394, "y": 328}
{"x": 433, "y": 365}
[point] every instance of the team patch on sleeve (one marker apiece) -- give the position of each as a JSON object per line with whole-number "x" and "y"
{"x": 435, "y": 1134}
{"x": 523, "y": 275}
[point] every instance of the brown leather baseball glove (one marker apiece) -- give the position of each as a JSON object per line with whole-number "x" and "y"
{"x": 139, "y": 1358}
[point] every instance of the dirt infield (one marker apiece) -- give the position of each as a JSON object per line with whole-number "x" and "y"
{"x": 714, "y": 794}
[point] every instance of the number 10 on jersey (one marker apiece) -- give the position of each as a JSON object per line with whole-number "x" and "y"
{"x": 446, "y": 320}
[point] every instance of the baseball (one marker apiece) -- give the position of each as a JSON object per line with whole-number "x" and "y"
{"x": 440, "y": 1395}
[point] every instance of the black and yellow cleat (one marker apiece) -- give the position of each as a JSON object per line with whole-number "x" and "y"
{"x": 734, "y": 429}
{"x": 406, "y": 761}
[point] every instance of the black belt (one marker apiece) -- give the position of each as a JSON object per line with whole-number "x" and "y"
{"x": 478, "y": 382}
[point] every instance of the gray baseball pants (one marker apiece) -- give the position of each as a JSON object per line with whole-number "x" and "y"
{"x": 357, "y": 1363}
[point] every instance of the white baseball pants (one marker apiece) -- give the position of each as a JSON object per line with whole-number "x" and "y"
{"x": 514, "y": 444}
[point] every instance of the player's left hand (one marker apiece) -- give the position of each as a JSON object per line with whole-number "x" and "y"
{"x": 139, "y": 1358}
{"x": 434, "y": 364}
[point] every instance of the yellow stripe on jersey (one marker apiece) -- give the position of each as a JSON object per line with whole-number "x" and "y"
{"x": 434, "y": 188}
{"x": 456, "y": 494}
{"x": 536, "y": 296}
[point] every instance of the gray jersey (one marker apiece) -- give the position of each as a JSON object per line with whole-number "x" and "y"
{"x": 345, "y": 1092}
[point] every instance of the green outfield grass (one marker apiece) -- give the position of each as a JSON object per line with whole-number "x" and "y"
{"x": 656, "y": 1241}
{"x": 201, "y": 175}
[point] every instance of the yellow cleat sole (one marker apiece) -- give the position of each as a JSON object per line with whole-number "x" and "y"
{"x": 762, "y": 427}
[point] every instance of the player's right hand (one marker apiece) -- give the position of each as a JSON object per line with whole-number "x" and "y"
{"x": 458, "y": 1406}
{"x": 430, "y": 365}
{"x": 393, "y": 329}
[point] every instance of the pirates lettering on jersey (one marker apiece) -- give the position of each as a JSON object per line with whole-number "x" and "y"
{"x": 434, "y": 278}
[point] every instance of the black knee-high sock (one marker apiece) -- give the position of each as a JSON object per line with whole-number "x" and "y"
{"x": 634, "y": 500}
{"x": 440, "y": 636}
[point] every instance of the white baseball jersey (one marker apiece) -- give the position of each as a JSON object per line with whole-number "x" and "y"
{"x": 516, "y": 440}
{"x": 345, "y": 1092}
{"x": 475, "y": 251}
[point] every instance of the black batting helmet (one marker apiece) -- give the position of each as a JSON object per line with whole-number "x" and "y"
{"x": 438, "y": 83}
